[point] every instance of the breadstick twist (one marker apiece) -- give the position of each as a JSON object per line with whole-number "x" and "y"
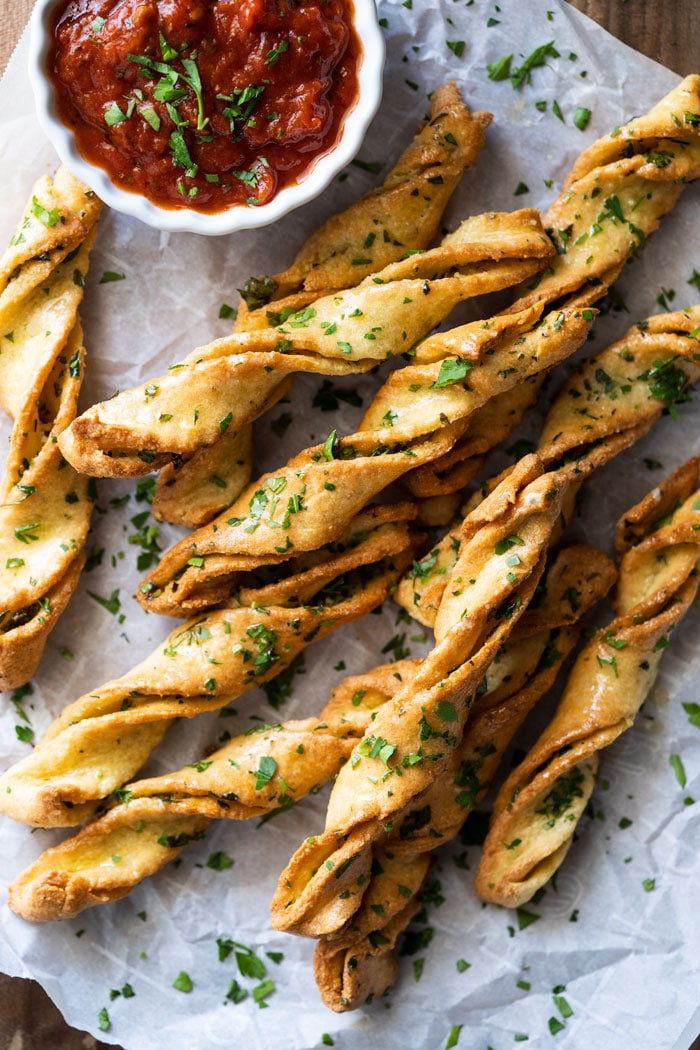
{"x": 430, "y": 408}
{"x": 538, "y": 807}
{"x": 358, "y": 959}
{"x": 611, "y": 401}
{"x": 613, "y": 199}
{"x": 45, "y": 507}
{"x": 267, "y": 769}
{"x": 401, "y": 215}
{"x": 413, "y": 735}
{"x": 100, "y": 741}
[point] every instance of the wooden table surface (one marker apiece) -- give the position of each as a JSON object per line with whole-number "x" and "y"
{"x": 663, "y": 29}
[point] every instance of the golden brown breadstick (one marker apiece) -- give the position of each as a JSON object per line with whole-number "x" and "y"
{"x": 336, "y": 479}
{"x": 613, "y": 199}
{"x": 612, "y": 399}
{"x": 349, "y": 962}
{"x": 400, "y": 216}
{"x": 259, "y": 772}
{"x": 45, "y": 507}
{"x": 413, "y": 735}
{"x": 100, "y": 741}
{"x": 227, "y": 384}
{"x": 538, "y": 807}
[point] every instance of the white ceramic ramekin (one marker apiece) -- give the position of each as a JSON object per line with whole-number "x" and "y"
{"x": 238, "y": 217}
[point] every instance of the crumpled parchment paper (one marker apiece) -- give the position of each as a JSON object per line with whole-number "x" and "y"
{"x": 629, "y": 961}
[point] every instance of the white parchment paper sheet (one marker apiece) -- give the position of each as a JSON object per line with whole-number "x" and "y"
{"x": 629, "y": 963}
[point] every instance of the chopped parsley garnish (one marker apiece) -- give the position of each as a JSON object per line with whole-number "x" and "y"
{"x": 678, "y": 768}
{"x": 265, "y": 772}
{"x": 273, "y": 55}
{"x": 183, "y": 982}
{"x": 500, "y": 70}
{"x": 452, "y": 370}
{"x": 537, "y": 58}
{"x": 330, "y": 446}
{"x": 581, "y": 118}
{"x": 48, "y": 218}
{"x": 111, "y": 604}
{"x": 453, "y": 1037}
{"x": 219, "y": 861}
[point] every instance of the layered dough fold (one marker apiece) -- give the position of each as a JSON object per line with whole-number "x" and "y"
{"x": 537, "y": 810}
{"x": 101, "y": 740}
{"x": 359, "y": 959}
{"x": 45, "y": 506}
{"x": 400, "y": 216}
{"x": 610, "y": 401}
{"x": 413, "y": 736}
{"x": 230, "y": 382}
{"x": 149, "y": 821}
{"x": 613, "y": 199}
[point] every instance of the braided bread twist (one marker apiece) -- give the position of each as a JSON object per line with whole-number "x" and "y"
{"x": 335, "y": 480}
{"x": 100, "y": 741}
{"x": 359, "y": 960}
{"x": 610, "y": 401}
{"x": 613, "y": 199}
{"x": 538, "y": 807}
{"x": 256, "y": 773}
{"x": 414, "y": 734}
{"x": 45, "y": 507}
{"x": 230, "y": 382}
{"x": 401, "y": 215}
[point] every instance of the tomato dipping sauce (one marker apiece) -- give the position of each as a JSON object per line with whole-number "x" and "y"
{"x": 204, "y": 104}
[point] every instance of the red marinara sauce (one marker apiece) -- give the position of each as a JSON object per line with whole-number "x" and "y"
{"x": 204, "y": 104}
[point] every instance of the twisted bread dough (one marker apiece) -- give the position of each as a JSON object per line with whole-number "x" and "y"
{"x": 414, "y": 734}
{"x": 428, "y": 409}
{"x": 612, "y": 399}
{"x": 100, "y": 741}
{"x": 358, "y": 960}
{"x": 449, "y": 393}
{"x": 612, "y": 200}
{"x": 230, "y": 382}
{"x": 259, "y": 772}
{"x": 538, "y": 807}
{"x": 45, "y": 507}
{"x": 401, "y": 215}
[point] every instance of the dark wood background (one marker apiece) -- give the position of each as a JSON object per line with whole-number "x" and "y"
{"x": 666, "y": 30}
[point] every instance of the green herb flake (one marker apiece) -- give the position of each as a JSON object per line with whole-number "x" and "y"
{"x": 48, "y": 218}
{"x": 678, "y": 768}
{"x": 265, "y": 772}
{"x": 453, "y": 1037}
{"x": 500, "y": 69}
{"x": 525, "y": 918}
{"x": 581, "y": 118}
{"x": 114, "y": 115}
{"x": 452, "y": 370}
{"x": 330, "y": 446}
{"x": 219, "y": 861}
{"x": 183, "y": 982}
